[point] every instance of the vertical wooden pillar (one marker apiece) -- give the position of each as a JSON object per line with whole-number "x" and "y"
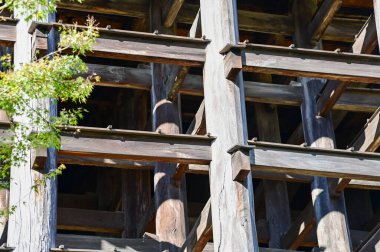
{"x": 276, "y": 192}
{"x": 170, "y": 196}
{"x": 136, "y": 184}
{"x": 330, "y": 213}
{"x": 32, "y": 225}
{"x": 232, "y": 202}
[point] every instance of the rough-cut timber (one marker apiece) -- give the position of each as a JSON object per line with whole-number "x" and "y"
{"x": 276, "y": 192}
{"x": 311, "y": 161}
{"x": 7, "y": 31}
{"x": 341, "y": 29}
{"x": 309, "y": 63}
{"x": 169, "y": 195}
{"x": 233, "y": 226}
{"x": 134, "y": 145}
{"x": 354, "y": 99}
{"x": 139, "y": 46}
{"x": 27, "y": 227}
{"x": 330, "y": 214}
{"x": 322, "y": 18}
{"x": 201, "y": 232}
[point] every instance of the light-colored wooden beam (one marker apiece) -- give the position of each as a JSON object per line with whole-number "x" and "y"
{"x": 323, "y": 18}
{"x": 311, "y": 161}
{"x": 171, "y": 11}
{"x": 178, "y": 74}
{"x": 368, "y": 139}
{"x": 130, "y": 45}
{"x": 201, "y": 232}
{"x": 299, "y": 229}
{"x": 234, "y": 227}
{"x": 365, "y": 43}
{"x": 308, "y": 63}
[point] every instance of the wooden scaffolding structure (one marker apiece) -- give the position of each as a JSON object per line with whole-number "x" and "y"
{"x": 282, "y": 189}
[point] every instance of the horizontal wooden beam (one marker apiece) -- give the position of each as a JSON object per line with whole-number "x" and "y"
{"x": 340, "y": 29}
{"x": 201, "y": 232}
{"x": 283, "y": 158}
{"x": 7, "y": 31}
{"x": 135, "y": 145}
{"x": 89, "y": 220}
{"x": 138, "y": 46}
{"x": 361, "y": 100}
{"x": 308, "y": 63}
{"x": 322, "y": 18}
{"x": 368, "y": 140}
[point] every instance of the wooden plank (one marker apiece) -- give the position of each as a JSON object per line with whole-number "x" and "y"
{"x": 365, "y": 42}
{"x": 97, "y": 243}
{"x": 197, "y": 127}
{"x": 171, "y": 11}
{"x": 134, "y": 145}
{"x": 368, "y": 140}
{"x": 353, "y": 99}
{"x": 299, "y": 229}
{"x": 170, "y": 198}
{"x": 8, "y": 31}
{"x": 276, "y": 192}
{"x": 310, "y": 63}
{"x": 234, "y": 227}
{"x": 341, "y": 29}
{"x": 178, "y": 73}
{"x": 372, "y": 241}
{"x": 323, "y": 18}
{"x": 201, "y": 232}
{"x": 312, "y": 161}
{"x": 139, "y": 46}
{"x": 90, "y": 220}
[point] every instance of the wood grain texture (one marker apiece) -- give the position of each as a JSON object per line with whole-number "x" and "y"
{"x": 170, "y": 195}
{"x": 276, "y": 192}
{"x": 341, "y": 29}
{"x": 140, "y": 46}
{"x": 323, "y": 18}
{"x": 29, "y": 226}
{"x": 353, "y": 99}
{"x": 313, "y": 161}
{"x": 171, "y": 11}
{"x": 90, "y": 220}
{"x": 233, "y": 226}
{"x": 201, "y": 232}
{"x": 134, "y": 145}
{"x": 330, "y": 214}
{"x": 311, "y": 63}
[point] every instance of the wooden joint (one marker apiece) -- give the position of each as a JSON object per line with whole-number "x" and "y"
{"x": 241, "y": 165}
{"x": 232, "y": 64}
{"x": 38, "y": 158}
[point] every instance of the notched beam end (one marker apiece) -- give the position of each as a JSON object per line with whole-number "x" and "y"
{"x": 233, "y": 62}
{"x": 241, "y": 165}
{"x": 38, "y": 158}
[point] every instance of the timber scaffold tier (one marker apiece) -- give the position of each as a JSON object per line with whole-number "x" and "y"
{"x": 217, "y": 125}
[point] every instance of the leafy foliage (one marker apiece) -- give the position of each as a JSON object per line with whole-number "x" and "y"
{"x": 24, "y": 92}
{"x": 32, "y": 8}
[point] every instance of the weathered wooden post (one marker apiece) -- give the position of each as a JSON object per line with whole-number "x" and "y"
{"x": 330, "y": 213}
{"x": 232, "y": 202}
{"x": 170, "y": 196}
{"x": 32, "y": 226}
